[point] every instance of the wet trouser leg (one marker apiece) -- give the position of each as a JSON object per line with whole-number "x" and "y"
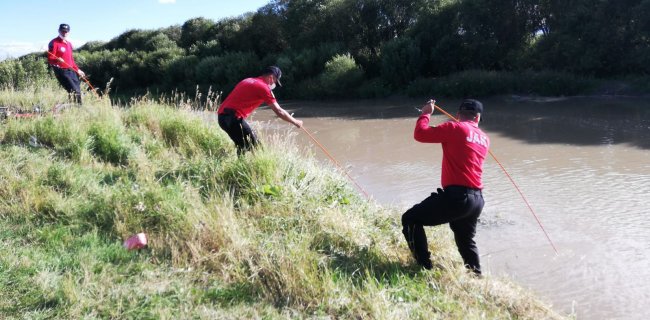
{"x": 458, "y": 206}
{"x": 69, "y": 81}
{"x": 239, "y": 131}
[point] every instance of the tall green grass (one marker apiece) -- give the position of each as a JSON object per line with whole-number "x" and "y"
{"x": 271, "y": 234}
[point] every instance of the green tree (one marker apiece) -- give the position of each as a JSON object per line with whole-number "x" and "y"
{"x": 195, "y": 30}
{"x": 401, "y": 61}
{"x": 478, "y": 34}
{"x": 602, "y": 38}
{"x": 159, "y": 41}
{"x": 227, "y": 33}
{"x": 173, "y": 33}
{"x": 205, "y": 49}
{"x": 307, "y": 23}
{"x": 264, "y": 33}
{"x": 132, "y": 40}
{"x": 227, "y": 70}
{"x": 101, "y": 66}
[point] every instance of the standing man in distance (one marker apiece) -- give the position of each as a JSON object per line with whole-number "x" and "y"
{"x": 460, "y": 201}
{"x": 247, "y": 96}
{"x": 60, "y": 58}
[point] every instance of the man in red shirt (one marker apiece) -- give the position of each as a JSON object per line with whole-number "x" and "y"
{"x": 249, "y": 94}
{"x": 459, "y": 202}
{"x": 59, "y": 57}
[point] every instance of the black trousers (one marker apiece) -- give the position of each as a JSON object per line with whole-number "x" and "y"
{"x": 456, "y": 205}
{"x": 69, "y": 81}
{"x": 238, "y": 130}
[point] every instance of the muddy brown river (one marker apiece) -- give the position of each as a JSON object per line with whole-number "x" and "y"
{"x": 583, "y": 163}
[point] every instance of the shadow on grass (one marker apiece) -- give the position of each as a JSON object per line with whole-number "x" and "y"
{"x": 231, "y": 295}
{"x": 358, "y": 263}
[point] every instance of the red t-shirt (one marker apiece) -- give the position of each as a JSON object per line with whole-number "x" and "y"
{"x": 464, "y": 147}
{"x": 59, "y": 48}
{"x": 247, "y": 96}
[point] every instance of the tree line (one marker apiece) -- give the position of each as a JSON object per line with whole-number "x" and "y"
{"x": 372, "y": 48}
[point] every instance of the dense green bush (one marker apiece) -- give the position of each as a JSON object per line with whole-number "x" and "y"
{"x": 227, "y": 70}
{"x": 103, "y": 65}
{"x": 374, "y": 88}
{"x": 11, "y": 73}
{"x": 401, "y": 61}
{"x": 181, "y": 73}
{"x": 310, "y": 62}
{"x": 28, "y": 71}
{"x": 155, "y": 65}
{"x": 342, "y": 76}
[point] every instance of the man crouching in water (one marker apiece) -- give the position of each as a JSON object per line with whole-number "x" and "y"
{"x": 459, "y": 202}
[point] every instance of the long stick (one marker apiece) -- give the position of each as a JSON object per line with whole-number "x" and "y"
{"x": 82, "y": 77}
{"x": 335, "y": 162}
{"x": 513, "y": 183}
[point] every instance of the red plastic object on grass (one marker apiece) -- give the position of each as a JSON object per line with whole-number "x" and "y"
{"x": 135, "y": 242}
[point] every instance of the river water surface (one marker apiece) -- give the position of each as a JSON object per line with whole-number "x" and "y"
{"x": 582, "y": 163}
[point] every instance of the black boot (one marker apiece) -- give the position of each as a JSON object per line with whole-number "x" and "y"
{"x": 424, "y": 260}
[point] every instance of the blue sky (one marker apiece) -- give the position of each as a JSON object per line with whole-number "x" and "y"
{"x": 29, "y": 25}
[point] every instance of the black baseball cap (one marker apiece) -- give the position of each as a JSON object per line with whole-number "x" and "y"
{"x": 64, "y": 27}
{"x": 471, "y": 105}
{"x": 276, "y": 72}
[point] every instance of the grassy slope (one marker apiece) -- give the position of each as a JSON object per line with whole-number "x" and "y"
{"x": 270, "y": 235}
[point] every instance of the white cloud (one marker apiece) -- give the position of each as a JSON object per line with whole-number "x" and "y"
{"x": 166, "y": 1}
{"x": 15, "y": 49}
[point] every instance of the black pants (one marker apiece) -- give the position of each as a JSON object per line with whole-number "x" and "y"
{"x": 69, "y": 81}
{"x": 458, "y": 206}
{"x": 238, "y": 130}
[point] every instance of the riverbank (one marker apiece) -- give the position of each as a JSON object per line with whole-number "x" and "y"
{"x": 563, "y": 152}
{"x": 480, "y": 83}
{"x": 269, "y": 235}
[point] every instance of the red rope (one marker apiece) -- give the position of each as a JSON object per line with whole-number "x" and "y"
{"x": 336, "y": 162}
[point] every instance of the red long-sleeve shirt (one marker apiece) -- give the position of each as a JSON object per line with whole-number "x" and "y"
{"x": 60, "y": 48}
{"x": 247, "y": 96}
{"x": 464, "y": 147}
